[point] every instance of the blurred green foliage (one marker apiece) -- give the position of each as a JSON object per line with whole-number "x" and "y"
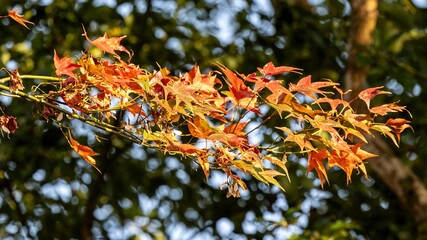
{"x": 47, "y": 192}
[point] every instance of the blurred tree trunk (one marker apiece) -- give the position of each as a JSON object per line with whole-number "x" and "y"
{"x": 409, "y": 189}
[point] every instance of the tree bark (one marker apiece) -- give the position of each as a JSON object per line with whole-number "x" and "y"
{"x": 410, "y": 190}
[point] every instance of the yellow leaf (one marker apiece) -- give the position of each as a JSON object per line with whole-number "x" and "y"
{"x": 269, "y": 176}
{"x": 280, "y": 163}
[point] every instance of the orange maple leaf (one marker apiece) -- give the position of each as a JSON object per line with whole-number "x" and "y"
{"x": 109, "y": 45}
{"x": 64, "y": 66}
{"x": 15, "y": 83}
{"x": 310, "y": 89}
{"x": 199, "y": 127}
{"x": 387, "y": 108}
{"x": 19, "y": 18}
{"x": 8, "y": 124}
{"x": 270, "y": 70}
{"x": 399, "y": 125}
{"x": 350, "y": 159}
{"x": 315, "y": 159}
{"x": 236, "y": 128}
{"x": 84, "y": 151}
{"x": 203, "y": 83}
{"x": 368, "y": 94}
{"x": 241, "y": 95}
{"x": 334, "y": 103}
{"x": 204, "y": 163}
{"x": 184, "y": 148}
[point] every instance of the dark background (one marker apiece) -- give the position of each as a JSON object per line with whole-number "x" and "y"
{"x": 48, "y": 192}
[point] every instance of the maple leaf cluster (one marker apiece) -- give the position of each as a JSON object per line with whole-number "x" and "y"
{"x": 213, "y": 111}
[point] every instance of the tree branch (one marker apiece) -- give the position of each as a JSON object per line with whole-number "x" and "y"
{"x": 409, "y": 189}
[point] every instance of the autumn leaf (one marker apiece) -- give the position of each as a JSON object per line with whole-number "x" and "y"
{"x": 236, "y": 128}
{"x": 334, "y": 103}
{"x": 135, "y": 110}
{"x": 183, "y": 148}
{"x": 362, "y": 155}
{"x": 15, "y": 83}
{"x": 270, "y": 70}
{"x": 387, "y": 108}
{"x": 349, "y": 158}
{"x": 19, "y": 18}
{"x": 315, "y": 159}
{"x": 64, "y": 66}
{"x": 203, "y": 83}
{"x": 204, "y": 163}
{"x": 239, "y": 94}
{"x": 368, "y": 94}
{"x": 399, "y": 125}
{"x": 276, "y": 88}
{"x": 299, "y": 139}
{"x": 84, "y": 151}
{"x": 199, "y": 127}
{"x": 269, "y": 176}
{"x": 233, "y": 183}
{"x": 234, "y": 80}
{"x": 279, "y": 163}
{"x": 360, "y": 121}
{"x": 232, "y": 140}
{"x": 350, "y": 132}
{"x": 8, "y": 124}
{"x": 309, "y": 88}
{"x": 386, "y": 131}
{"x": 109, "y": 45}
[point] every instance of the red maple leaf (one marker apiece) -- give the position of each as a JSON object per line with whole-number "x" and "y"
{"x": 310, "y": 89}
{"x": 270, "y": 70}
{"x": 109, "y": 45}
{"x": 399, "y": 125}
{"x": 368, "y": 94}
{"x": 315, "y": 159}
{"x": 19, "y": 18}
{"x": 84, "y": 151}
{"x": 236, "y": 128}
{"x": 200, "y": 127}
{"x": 236, "y": 83}
{"x": 15, "y": 83}
{"x": 64, "y": 66}
{"x": 334, "y": 103}
{"x": 387, "y": 108}
{"x": 8, "y": 124}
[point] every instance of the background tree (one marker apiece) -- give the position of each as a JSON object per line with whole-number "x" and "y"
{"x": 48, "y": 192}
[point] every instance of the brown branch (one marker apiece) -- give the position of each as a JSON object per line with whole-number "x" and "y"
{"x": 362, "y": 23}
{"x": 400, "y": 179}
{"x": 409, "y": 189}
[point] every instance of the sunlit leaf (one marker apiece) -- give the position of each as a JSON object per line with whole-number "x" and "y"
{"x": 309, "y": 88}
{"x": 270, "y": 70}
{"x": 108, "y": 44}
{"x": 15, "y": 81}
{"x": 19, "y": 18}
{"x": 8, "y": 124}
{"x": 387, "y": 108}
{"x": 84, "y": 151}
{"x": 315, "y": 159}
{"x": 64, "y": 66}
{"x": 279, "y": 163}
{"x": 386, "y": 131}
{"x": 368, "y": 94}
{"x": 399, "y": 125}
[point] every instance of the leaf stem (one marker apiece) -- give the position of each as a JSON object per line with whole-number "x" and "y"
{"x": 91, "y": 121}
{"x": 48, "y": 78}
